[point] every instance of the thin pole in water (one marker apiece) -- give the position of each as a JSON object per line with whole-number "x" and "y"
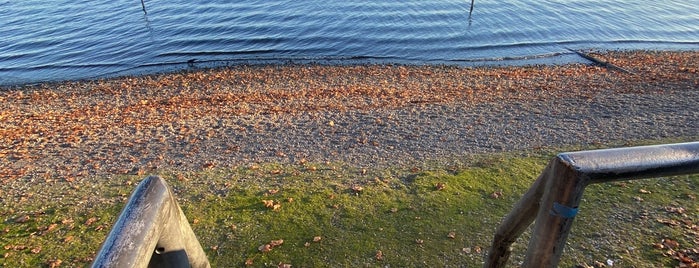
{"x": 469, "y": 12}
{"x": 144, "y": 6}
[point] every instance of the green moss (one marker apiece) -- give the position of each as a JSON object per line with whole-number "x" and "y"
{"x": 435, "y": 216}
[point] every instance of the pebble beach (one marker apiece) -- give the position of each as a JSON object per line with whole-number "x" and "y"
{"x": 368, "y": 116}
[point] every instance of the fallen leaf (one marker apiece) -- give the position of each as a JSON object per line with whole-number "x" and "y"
{"x": 264, "y": 248}
{"x": 90, "y": 221}
{"x": 268, "y": 203}
{"x": 357, "y": 188}
{"x": 668, "y": 222}
{"x": 54, "y": 263}
{"x": 451, "y": 235}
{"x": 440, "y": 186}
{"x": 678, "y": 210}
{"x": 379, "y": 255}
{"x": 496, "y": 194}
{"x": 275, "y": 243}
{"x": 15, "y": 247}
{"x": 672, "y": 244}
{"x": 51, "y": 227}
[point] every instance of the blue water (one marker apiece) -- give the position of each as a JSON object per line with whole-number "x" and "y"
{"x": 66, "y": 40}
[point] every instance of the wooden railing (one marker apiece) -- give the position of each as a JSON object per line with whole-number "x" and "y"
{"x": 554, "y": 197}
{"x": 151, "y": 231}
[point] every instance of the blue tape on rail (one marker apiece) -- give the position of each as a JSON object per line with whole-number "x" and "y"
{"x": 563, "y": 211}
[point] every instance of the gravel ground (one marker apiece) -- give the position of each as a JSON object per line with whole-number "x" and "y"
{"x": 418, "y": 133}
{"x": 366, "y": 116}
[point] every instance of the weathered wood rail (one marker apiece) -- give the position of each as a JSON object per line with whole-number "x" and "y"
{"x": 554, "y": 197}
{"x": 151, "y": 231}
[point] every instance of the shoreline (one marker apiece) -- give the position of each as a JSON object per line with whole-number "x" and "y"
{"x": 364, "y": 115}
{"x": 571, "y": 57}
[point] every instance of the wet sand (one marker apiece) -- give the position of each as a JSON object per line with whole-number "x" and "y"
{"x": 366, "y": 116}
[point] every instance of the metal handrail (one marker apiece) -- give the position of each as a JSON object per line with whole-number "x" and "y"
{"x": 151, "y": 231}
{"x": 554, "y": 197}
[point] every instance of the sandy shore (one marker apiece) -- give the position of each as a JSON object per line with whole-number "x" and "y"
{"x": 366, "y": 116}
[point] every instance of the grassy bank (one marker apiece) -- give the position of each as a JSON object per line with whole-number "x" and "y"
{"x": 331, "y": 215}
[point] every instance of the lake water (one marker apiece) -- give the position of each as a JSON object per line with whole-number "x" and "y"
{"x": 65, "y": 40}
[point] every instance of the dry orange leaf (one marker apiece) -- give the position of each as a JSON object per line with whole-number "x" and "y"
{"x": 379, "y": 255}
{"x": 54, "y": 263}
{"x": 275, "y": 243}
{"x": 440, "y": 186}
{"x": 268, "y": 203}
{"x": 265, "y": 248}
{"x": 357, "y": 188}
{"x": 451, "y": 235}
{"x": 496, "y": 194}
{"x": 90, "y": 221}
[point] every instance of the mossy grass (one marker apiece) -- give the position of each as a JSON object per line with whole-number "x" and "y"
{"x": 330, "y": 215}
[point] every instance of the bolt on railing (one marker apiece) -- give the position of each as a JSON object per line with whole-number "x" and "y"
{"x": 554, "y": 197}
{"x": 151, "y": 231}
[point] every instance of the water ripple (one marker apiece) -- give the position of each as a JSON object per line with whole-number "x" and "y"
{"x": 61, "y": 39}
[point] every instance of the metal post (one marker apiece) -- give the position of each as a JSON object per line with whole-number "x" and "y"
{"x": 151, "y": 231}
